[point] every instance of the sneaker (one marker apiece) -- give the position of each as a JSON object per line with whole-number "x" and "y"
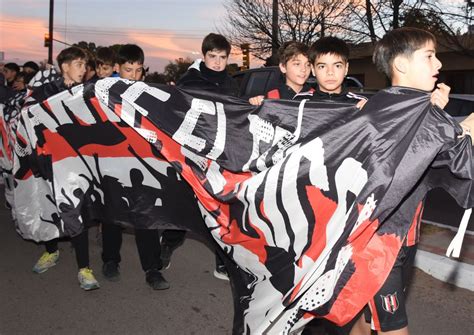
{"x": 155, "y": 279}
{"x": 166, "y": 252}
{"x": 110, "y": 270}
{"x": 46, "y": 261}
{"x": 87, "y": 280}
{"x": 221, "y": 273}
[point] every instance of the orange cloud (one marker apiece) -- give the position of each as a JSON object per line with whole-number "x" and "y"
{"x": 22, "y": 39}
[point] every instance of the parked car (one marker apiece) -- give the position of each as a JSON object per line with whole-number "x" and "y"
{"x": 259, "y": 81}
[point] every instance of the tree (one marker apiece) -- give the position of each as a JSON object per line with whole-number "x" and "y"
{"x": 174, "y": 70}
{"x": 299, "y": 20}
{"x": 353, "y": 20}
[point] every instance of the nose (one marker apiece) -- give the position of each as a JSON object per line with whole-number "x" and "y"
{"x": 438, "y": 64}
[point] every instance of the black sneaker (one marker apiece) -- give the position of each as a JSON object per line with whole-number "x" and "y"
{"x": 221, "y": 272}
{"x": 110, "y": 270}
{"x": 166, "y": 252}
{"x": 155, "y": 279}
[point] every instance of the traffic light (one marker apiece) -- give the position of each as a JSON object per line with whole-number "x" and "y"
{"x": 245, "y": 56}
{"x": 47, "y": 40}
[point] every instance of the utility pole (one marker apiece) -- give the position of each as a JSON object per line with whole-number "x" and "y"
{"x": 275, "y": 30}
{"x": 50, "y": 46}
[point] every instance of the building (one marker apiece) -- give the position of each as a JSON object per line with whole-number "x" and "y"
{"x": 457, "y": 70}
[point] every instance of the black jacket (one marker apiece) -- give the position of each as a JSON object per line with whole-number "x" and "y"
{"x": 344, "y": 96}
{"x": 284, "y": 91}
{"x": 199, "y": 76}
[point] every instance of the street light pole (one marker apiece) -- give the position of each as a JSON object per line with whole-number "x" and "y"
{"x": 51, "y": 17}
{"x": 275, "y": 29}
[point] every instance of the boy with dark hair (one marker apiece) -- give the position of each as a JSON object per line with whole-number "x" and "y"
{"x": 129, "y": 65}
{"x": 129, "y": 62}
{"x": 72, "y": 63}
{"x": 104, "y": 62}
{"x": 208, "y": 74}
{"x": 30, "y": 67}
{"x": 10, "y": 70}
{"x": 407, "y": 56}
{"x": 329, "y": 57}
{"x": 295, "y": 66}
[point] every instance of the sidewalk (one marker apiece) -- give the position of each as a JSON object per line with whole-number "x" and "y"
{"x": 431, "y": 256}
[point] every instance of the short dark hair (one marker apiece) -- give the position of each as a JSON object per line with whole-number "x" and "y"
{"x": 130, "y": 53}
{"x": 329, "y": 45}
{"x": 215, "y": 42}
{"x": 12, "y": 66}
{"x": 399, "y": 42}
{"x": 291, "y": 49}
{"x": 31, "y": 65}
{"x": 105, "y": 55}
{"x": 69, "y": 54}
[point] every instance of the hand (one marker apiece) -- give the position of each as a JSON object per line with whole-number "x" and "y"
{"x": 440, "y": 96}
{"x": 361, "y": 103}
{"x": 468, "y": 126}
{"x": 256, "y": 101}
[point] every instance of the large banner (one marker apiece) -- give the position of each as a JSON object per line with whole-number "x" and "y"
{"x": 310, "y": 201}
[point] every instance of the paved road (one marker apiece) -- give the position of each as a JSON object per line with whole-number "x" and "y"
{"x": 197, "y": 303}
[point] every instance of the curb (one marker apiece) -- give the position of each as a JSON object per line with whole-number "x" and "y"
{"x": 446, "y": 269}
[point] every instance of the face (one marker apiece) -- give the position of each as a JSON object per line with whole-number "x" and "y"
{"x": 130, "y": 71}
{"x": 104, "y": 70}
{"x": 216, "y": 60}
{"x": 297, "y": 71}
{"x": 9, "y": 74}
{"x": 19, "y": 84}
{"x": 330, "y": 70}
{"x": 420, "y": 70}
{"x": 74, "y": 71}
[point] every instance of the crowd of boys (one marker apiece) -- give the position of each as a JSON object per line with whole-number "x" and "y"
{"x": 407, "y": 56}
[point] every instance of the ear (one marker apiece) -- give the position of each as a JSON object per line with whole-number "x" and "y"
{"x": 64, "y": 67}
{"x": 313, "y": 71}
{"x": 282, "y": 68}
{"x": 347, "y": 69}
{"x": 116, "y": 67}
{"x": 400, "y": 65}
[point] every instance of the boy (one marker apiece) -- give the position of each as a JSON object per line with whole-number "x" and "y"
{"x": 72, "y": 63}
{"x": 329, "y": 58}
{"x": 10, "y": 70}
{"x": 129, "y": 65}
{"x": 105, "y": 61}
{"x": 295, "y": 66}
{"x": 129, "y": 62}
{"x": 208, "y": 74}
{"x": 407, "y": 57}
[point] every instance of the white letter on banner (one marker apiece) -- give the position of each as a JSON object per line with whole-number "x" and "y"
{"x": 184, "y": 134}
{"x": 261, "y": 130}
{"x": 135, "y": 91}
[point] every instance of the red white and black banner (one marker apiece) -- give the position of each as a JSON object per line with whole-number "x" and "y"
{"x": 309, "y": 201}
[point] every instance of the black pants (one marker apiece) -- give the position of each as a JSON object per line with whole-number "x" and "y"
{"x": 80, "y": 244}
{"x": 147, "y": 241}
{"x": 174, "y": 238}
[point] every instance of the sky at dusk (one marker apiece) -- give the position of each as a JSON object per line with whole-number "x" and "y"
{"x": 166, "y": 30}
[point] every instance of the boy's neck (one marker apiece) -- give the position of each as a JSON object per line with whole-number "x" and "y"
{"x": 295, "y": 87}
{"x": 335, "y": 91}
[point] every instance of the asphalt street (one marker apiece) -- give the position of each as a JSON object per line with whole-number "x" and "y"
{"x": 196, "y": 303}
